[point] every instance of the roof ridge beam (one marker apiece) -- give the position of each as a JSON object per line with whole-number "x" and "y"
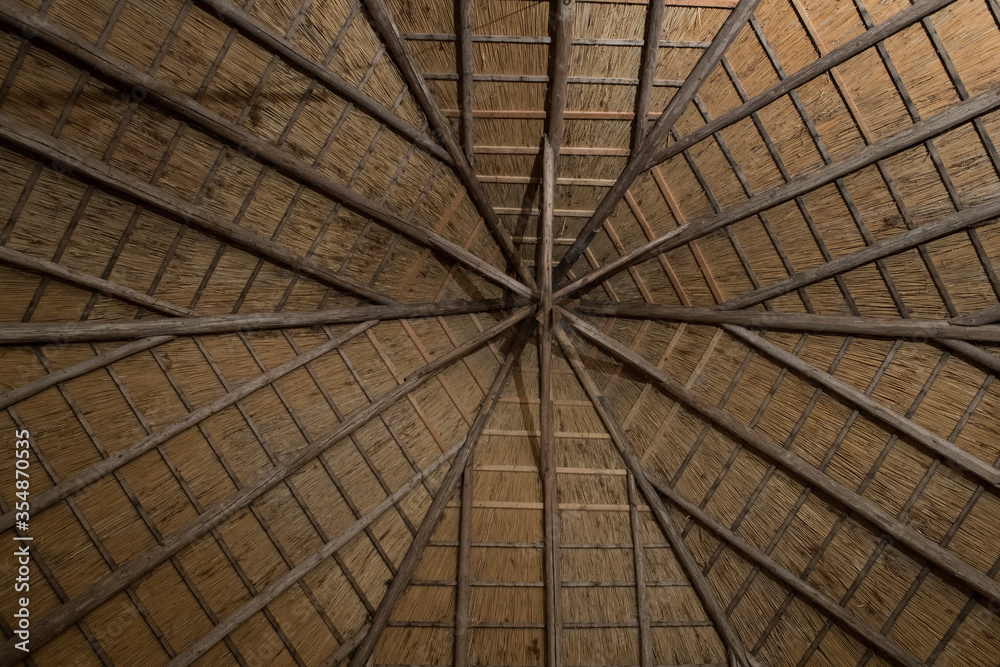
{"x": 839, "y": 325}
{"x": 25, "y": 333}
{"x": 235, "y": 17}
{"x": 381, "y": 19}
{"x": 657, "y": 135}
{"x": 945, "y": 561}
{"x": 957, "y": 114}
{"x": 846, "y": 617}
{"x": 434, "y": 513}
{"x": 734, "y": 645}
{"x": 65, "y": 615}
{"x": 67, "y": 43}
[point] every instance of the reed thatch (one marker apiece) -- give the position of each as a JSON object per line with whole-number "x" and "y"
{"x": 590, "y": 332}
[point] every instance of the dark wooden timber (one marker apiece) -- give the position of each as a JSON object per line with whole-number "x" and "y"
{"x": 638, "y": 560}
{"x": 647, "y": 72}
{"x": 66, "y": 43}
{"x": 242, "y": 21}
{"x": 946, "y": 561}
{"x": 437, "y": 508}
{"x": 93, "y": 330}
{"x": 658, "y": 133}
{"x": 894, "y": 24}
{"x": 956, "y": 115}
{"x": 561, "y": 15}
{"x": 550, "y": 496}
{"x": 983, "y": 316}
{"x": 463, "y": 577}
{"x": 463, "y": 32}
{"x": 381, "y": 19}
{"x": 264, "y": 597}
{"x": 841, "y": 325}
{"x": 65, "y": 615}
{"x": 715, "y": 610}
{"x": 845, "y": 617}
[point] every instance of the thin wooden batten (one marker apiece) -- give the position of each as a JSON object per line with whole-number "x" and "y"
{"x": 958, "y": 114}
{"x": 657, "y": 135}
{"x": 946, "y": 561}
{"x": 22, "y": 333}
{"x": 436, "y": 510}
{"x": 840, "y": 325}
{"x": 724, "y": 627}
{"x": 382, "y": 21}
{"x": 64, "y": 616}
{"x": 68, "y": 44}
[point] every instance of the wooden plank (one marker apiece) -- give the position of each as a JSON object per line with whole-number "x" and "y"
{"x": 436, "y": 510}
{"x": 845, "y": 617}
{"x": 246, "y": 24}
{"x": 22, "y": 333}
{"x": 727, "y": 633}
{"x": 947, "y": 562}
{"x": 840, "y": 325}
{"x": 958, "y": 114}
{"x": 381, "y": 19}
{"x": 69, "y": 44}
{"x": 657, "y": 135}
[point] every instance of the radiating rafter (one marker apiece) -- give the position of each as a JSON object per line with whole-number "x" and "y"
{"x": 67, "y": 43}
{"x": 22, "y": 333}
{"x": 382, "y": 20}
{"x": 657, "y": 135}
{"x": 64, "y": 616}
{"x": 954, "y": 116}
{"x": 946, "y": 561}
{"x": 647, "y": 72}
{"x": 727, "y": 633}
{"x": 437, "y": 507}
{"x": 463, "y": 33}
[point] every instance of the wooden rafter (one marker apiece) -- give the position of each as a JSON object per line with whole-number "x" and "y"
{"x": 463, "y": 589}
{"x": 956, "y": 115}
{"x": 66, "y": 43}
{"x": 728, "y": 634}
{"x": 840, "y": 325}
{"x": 647, "y": 72}
{"x": 436, "y": 510}
{"x": 22, "y": 333}
{"x": 464, "y": 37}
{"x": 64, "y": 616}
{"x": 657, "y": 135}
{"x": 947, "y": 562}
{"x": 382, "y": 20}
{"x": 845, "y": 617}
{"x": 236, "y": 17}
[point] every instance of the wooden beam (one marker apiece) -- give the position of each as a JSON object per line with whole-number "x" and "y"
{"x": 463, "y": 33}
{"x": 657, "y": 135}
{"x": 987, "y": 315}
{"x": 847, "y": 618}
{"x": 25, "y": 333}
{"x": 550, "y": 499}
{"x": 869, "y": 38}
{"x": 65, "y": 615}
{"x": 463, "y": 579}
{"x": 70, "y": 45}
{"x": 946, "y": 561}
{"x": 727, "y": 633}
{"x": 958, "y": 114}
{"x": 236, "y": 17}
{"x": 839, "y": 325}
{"x": 638, "y": 562}
{"x": 381, "y": 19}
{"x": 83, "y": 166}
{"x": 647, "y": 72}
{"x": 266, "y": 596}
{"x": 951, "y": 454}
{"x": 434, "y": 513}
{"x": 561, "y": 15}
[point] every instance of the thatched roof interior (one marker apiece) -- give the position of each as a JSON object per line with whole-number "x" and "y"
{"x": 501, "y": 332}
